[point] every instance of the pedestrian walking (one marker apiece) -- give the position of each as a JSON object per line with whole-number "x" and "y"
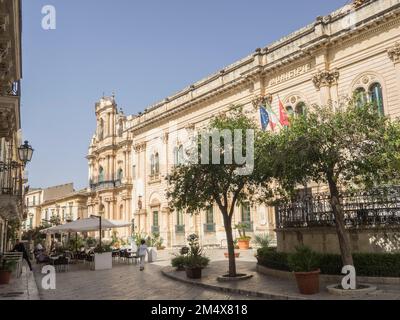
{"x": 142, "y": 253}
{"x": 19, "y": 247}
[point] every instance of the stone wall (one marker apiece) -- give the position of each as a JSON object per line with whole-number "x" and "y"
{"x": 324, "y": 240}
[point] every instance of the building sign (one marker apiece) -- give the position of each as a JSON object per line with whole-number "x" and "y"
{"x": 290, "y": 74}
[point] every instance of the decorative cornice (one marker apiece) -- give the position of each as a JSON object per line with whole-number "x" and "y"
{"x": 394, "y": 53}
{"x": 325, "y": 78}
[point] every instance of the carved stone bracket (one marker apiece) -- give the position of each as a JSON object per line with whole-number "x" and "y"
{"x": 394, "y": 53}
{"x": 359, "y": 3}
{"x": 325, "y": 78}
{"x": 262, "y": 100}
{"x": 139, "y": 146}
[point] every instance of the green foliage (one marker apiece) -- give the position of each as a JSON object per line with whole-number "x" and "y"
{"x": 103, "y": 249}
{"x": 349, "y": 146}
{"x": 366, "y": 264}
{"x": 241, "y": 227}
{"x": 75, "y": 243}
{"x": 303, "y": 260}
{"x": 90, "y": 242}
{"x": 219, "y": 183}
{"x": 154, "y": 240}
{"x": 13, "y": 227}
{"x": 35, "y": 235}
{"x": 195, "y": 257}
{"x": 178, "y": 261}
{"x": 7, "y": 265}
{"x": 271, "y": 258}
{"x": 262, "y": 240}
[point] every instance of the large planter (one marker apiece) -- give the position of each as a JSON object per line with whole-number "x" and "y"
{"x": 243, "y": 244}
{"x": 193, "y": 273}
{"x": 5, "y": 277}
{"x": 103, "y": 261}
{"x": 308, "y": 282}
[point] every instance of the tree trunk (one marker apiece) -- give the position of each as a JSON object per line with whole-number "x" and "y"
{"x": 344, "y": 243}
{"x": 231, "y": 246}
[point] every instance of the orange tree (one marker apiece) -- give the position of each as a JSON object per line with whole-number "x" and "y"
{"x": 352, "y": 146}
{"x": 198, "y": 184}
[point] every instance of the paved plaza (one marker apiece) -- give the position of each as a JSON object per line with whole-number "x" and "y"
{"x": 126, "y": 282}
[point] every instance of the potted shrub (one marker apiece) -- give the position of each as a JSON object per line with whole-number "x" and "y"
{"x": 304, "y": 264}
{"x": 195, "y": 260}
{"x": 6, "y": 268}
{"x": 243, "y": 241}
{"x": 103, "y": 257}
{"x": 179, "y": 261}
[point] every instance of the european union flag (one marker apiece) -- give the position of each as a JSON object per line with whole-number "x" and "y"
{"x": 264, "y": 118}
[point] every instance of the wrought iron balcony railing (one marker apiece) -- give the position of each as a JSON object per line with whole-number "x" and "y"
{"x": 155, "y": 229}
{"x": 376, "y": 208}
{"x": 180, "y": 228}
{"x": 104, "y": 185}
{"x": 11, "y": 178}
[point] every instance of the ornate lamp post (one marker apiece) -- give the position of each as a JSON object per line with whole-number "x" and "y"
{"x": 25, "y": 152}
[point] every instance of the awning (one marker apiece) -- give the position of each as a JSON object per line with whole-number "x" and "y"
{"x": 86, "y": 225}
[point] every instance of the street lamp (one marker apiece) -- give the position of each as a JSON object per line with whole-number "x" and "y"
{"x": 25, "y": 152}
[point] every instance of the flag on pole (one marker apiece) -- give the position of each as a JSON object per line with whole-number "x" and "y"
{"x": 273, "y": 119}
{"x": 283, "y": 117}
{"x": 264, "y": 118}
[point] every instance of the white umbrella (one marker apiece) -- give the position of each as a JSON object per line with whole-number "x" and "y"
{"x": 94, "y": 223}
{"x": 86, "y": 225}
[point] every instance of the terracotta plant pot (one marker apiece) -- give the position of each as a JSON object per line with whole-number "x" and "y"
{"x": 244, "y": 244}
{"x": 308, "y": 282}
{"x": 237, "y": 254}
{"x": 194, "y": 273}
{"x": 5, "y": 277}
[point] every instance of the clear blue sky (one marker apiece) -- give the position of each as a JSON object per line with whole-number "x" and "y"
{"x": 142, "y": 50}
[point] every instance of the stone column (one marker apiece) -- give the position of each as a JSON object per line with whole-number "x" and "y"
{"x": 394, "y": 55}
{"x": 323, "y": 81}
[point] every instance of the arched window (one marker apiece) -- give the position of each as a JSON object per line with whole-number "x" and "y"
{"x": 368, "y": 88}
{"x": 101, "y": 174}
{"x": 361, "y": 96}
{"x": 210, "y": 215}
{"x": 175, "y": 156}
{"x": 120, "y": 174}
{"x": 180, "y": 155}
{"x": 100, "y": 134}
{"x": 152, "y": 165}
{"x": 300, "y": 109}
{"x": 157, "y": 164}
{"x": 376, "y": 95}
{"x": 289, "y": 110}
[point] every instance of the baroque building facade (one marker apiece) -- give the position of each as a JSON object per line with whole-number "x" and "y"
{"x": 11, "y": 168}
{"x": 355, "y": 49}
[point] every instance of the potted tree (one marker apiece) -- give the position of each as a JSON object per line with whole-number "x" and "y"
{"x": 243, "y": 241}
{"x": 304, "y": 264}
{"x": 6, "y": 268}
{"x": 195, "y": 260}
